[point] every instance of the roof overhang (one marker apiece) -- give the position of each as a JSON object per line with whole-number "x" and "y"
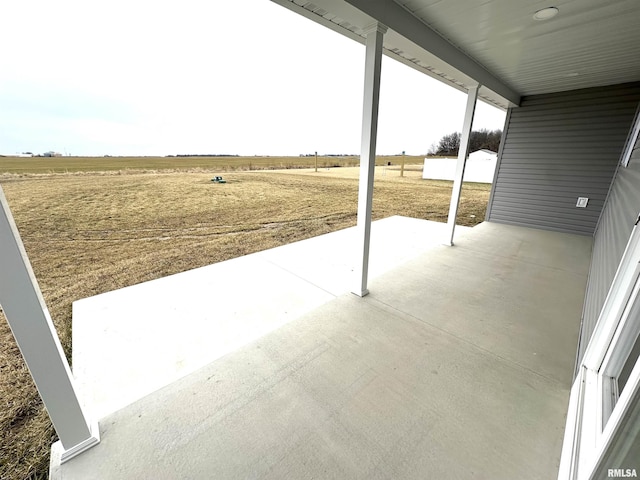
{"x": 497, "y": 43}
{"x": 408, "y": 41}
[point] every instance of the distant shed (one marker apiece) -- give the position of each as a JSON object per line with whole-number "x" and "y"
{"x": 481, "y": 166}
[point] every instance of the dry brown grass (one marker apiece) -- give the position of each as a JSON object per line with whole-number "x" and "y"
{"x": 87, "y": 234}
{"x": 46, "y": 165}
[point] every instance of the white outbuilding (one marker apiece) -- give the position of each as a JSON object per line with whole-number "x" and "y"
{"x": 480, "y": 168}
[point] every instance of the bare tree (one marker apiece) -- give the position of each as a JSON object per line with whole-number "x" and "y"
{"x": 450, "y": 144}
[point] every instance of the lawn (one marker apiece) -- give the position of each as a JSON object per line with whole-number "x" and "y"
{"x": 44, "y": 165}
{"x": 91, "y": 232}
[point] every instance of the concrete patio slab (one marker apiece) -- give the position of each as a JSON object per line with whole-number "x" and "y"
{"x": 133, "y": 341}
{"x": 503, "y": 293}
{"x": 457, "y": 365}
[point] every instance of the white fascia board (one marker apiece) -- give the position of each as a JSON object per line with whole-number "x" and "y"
{"x": 410, "y": 50}
{"x": 392, "y": 36}
{"x": 428, "y": 63}
{"x": 338, "y": 10}
{"x": 398, "y": 19}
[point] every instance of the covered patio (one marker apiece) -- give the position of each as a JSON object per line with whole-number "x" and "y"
{"x": 447, "y": 362}
{"x": 458, "y": 364}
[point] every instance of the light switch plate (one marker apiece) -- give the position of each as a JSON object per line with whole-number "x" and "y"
{"x": 582, "y": 202}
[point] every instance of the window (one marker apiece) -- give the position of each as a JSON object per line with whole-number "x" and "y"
{"x": 632, "y": 359}
{"x": 621, "y": 356}
{"x": 632, "y": 139}
{"x": 605, "y": 393}
{"x": 622, "y": 457}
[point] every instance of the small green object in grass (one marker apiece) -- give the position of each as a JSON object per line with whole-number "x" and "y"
{"x": 218, "y": 180}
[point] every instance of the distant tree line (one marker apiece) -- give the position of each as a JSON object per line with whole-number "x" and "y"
{"x": 480, "y": 139}
{"x": 203, "y": 155}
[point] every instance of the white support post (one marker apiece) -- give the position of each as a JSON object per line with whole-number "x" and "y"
{"x": 463, "y": 152}
{"x": 29, "y": 319}
{"x": 373, "y": 63}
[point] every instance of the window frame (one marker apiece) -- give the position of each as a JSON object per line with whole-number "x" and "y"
{"x": 596, "y": 409}
{"x": 632, "y": 139}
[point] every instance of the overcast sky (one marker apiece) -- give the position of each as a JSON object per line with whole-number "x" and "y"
{"x": 140, "y": 77}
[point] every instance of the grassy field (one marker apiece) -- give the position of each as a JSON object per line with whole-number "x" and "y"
{"x": 40, "y": 165}
{"x": 87, "y": 233}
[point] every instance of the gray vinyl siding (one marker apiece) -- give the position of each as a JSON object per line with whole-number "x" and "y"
{"x": 559, "y": 147}
{"x": 618, "y": 217}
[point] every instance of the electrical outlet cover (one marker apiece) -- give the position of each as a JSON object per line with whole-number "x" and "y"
{"x": 582, "y": 202}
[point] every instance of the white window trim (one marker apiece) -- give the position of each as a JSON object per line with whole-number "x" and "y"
{"x": 632, "y": 138}
{"x": 619, "y": 413}
{"x": 587, "y": 434}
{"x": 615, "y": 303}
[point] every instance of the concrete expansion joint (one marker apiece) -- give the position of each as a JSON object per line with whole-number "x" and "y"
{"x": 307, "y": 281}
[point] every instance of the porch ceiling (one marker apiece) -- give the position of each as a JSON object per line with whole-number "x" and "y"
{"x": 497, "y": 42}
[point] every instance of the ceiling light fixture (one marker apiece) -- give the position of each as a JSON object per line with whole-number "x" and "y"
{"x": 546, "y": 13}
